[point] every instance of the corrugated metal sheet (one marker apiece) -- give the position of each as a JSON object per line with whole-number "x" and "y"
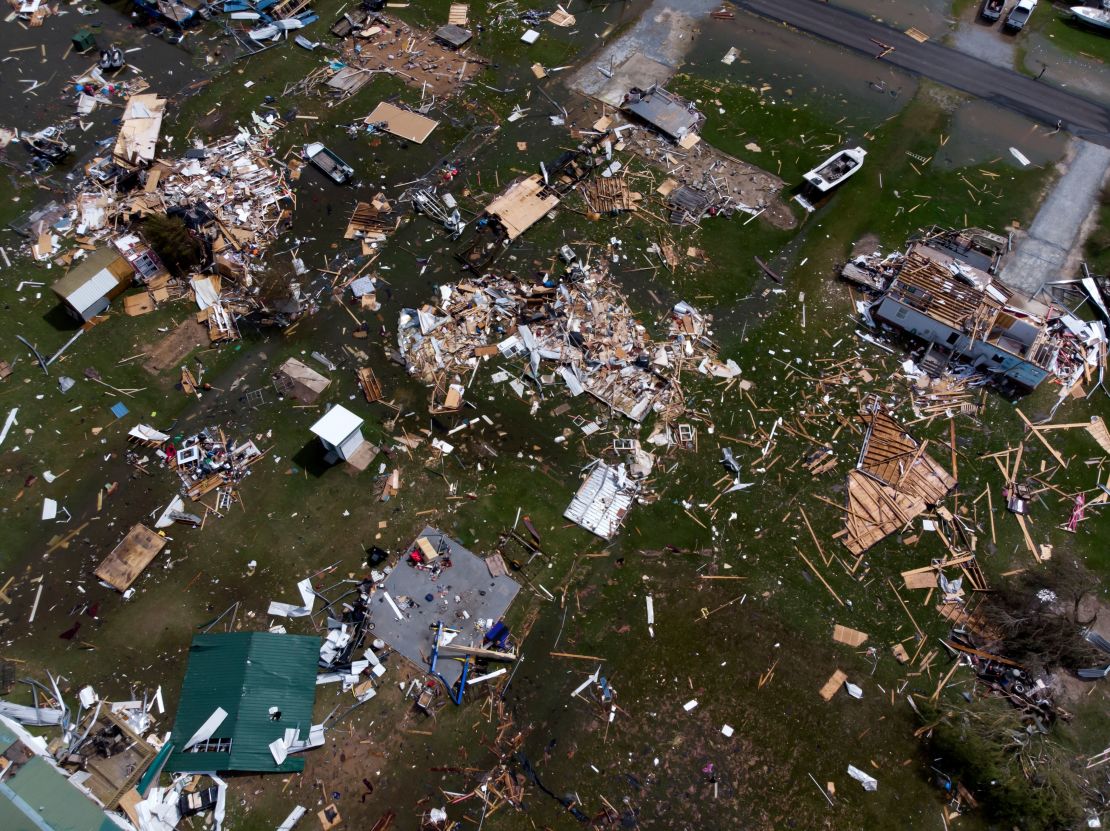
{"x": 664, "y": 112}
{"x": 603, "y": 500}
{"x": 36, "y": 795}
{"x": 246, "y": 673}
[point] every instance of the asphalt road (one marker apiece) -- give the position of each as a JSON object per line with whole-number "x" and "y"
{"x": 1038, "y": 100}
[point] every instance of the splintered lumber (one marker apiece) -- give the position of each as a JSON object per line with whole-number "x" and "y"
{"x": 978, "y": 653}
{"x": 130, "y": 557}
{"x": 905, "y": 608}
{"x": 576, "y": 657}
{"x": 846, "y": 635}
{"x": 835, "y": 682}
{"x": 479, "y": 652}
{"x": 1041, "y": 439}
{"x": 819, "y": 576}
{"x": 368, "y": 381}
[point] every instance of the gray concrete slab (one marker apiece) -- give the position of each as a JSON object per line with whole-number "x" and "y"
{"x": 1043, "y": 254}
{"x": 466, "y": 588}
{"x": 650, "y": 52}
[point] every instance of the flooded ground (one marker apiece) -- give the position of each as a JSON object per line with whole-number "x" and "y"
{"x": 38, "y": 89}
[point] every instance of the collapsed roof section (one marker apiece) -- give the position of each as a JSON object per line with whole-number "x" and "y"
{"x": 138, "y": 135}
{"x": 666, "y": 112}
{"x": 603, "y": 500}
{"x": 894, "y": 481}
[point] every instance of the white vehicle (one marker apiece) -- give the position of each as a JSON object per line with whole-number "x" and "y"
{"x": 1020, "y": 14}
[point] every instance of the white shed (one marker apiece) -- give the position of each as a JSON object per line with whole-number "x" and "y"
{"x": 340, "y": 431}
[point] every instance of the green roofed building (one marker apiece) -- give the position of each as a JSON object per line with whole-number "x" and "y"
{"x": 36, "y": 796}
{"x": 243, "y": 691}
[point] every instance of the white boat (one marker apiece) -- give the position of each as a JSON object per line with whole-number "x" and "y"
{"x": 835, "y": 169}
{"x": 245, "y": 15}
{"x": 285, "y": 24}
{"x": 330, "y": 164}
{"x": 1098, "y": 18}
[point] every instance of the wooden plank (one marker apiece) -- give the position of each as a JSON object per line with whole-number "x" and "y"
{"x": 835, "y": 682}
{"x": 1041, "y": 439}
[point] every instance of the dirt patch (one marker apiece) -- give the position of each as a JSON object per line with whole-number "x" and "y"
{"x": 724, "y": 181}
{"x": 176, "y": 345}
{"x": 867, "y": 244}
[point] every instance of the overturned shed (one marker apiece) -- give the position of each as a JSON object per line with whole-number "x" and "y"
{"x": 453, "y": 35}
{"x": 671, "y": 115}
{"x": 300, "y": 381}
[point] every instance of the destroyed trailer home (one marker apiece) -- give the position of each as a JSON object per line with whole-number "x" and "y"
{"x": 964, "y": 314}
{"x": 699, "y": 180}
{"x": 893, "y": 483}
{"x": 89, "y": 287}
{"x": 37, "y": 796}
{"x": 246, "y": 704}
{"x": 671, "y": 115}
{"x": 109, "y": 754}
{"x": 441, "y": 582}
{"x": 231, "y": 194}
{"x": 374, "y": 43}
{"x": 583, "y": 327}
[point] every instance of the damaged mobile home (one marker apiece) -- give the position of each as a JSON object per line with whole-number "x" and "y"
{"x": 965, "y": 314}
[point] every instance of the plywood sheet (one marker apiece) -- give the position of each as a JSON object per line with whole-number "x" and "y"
{"x": 852, "y": 637}
{"x": 835, "y": 682}
{"x": 408, "y": 125}
{"x": 128, "y": 559}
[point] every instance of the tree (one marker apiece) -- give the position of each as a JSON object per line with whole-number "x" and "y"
{"x": 173, "y": 242}
{"x": 1040, "y": 617}
{"x": 1026, "y": 780}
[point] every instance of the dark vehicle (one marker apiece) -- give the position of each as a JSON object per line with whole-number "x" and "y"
{"x": 992, "y": 9}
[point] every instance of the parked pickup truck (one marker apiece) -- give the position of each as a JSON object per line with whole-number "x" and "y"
{"x": 992, "y": 9}
{"x": 1020, "y": 14}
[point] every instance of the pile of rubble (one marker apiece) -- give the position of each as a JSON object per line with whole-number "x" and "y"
{"x": 206, "y": 461}
{"x": 583, "y": 326}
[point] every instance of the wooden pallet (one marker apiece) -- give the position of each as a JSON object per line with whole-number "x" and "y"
{"x": 458, "y": 14}
{"x": 368, "y": 382}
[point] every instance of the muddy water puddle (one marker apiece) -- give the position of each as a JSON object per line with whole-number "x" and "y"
{"x": 982, "y": 132}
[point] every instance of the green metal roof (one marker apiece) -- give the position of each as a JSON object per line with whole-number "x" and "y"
{"x": 246, "y": 673}
{"x": 38, "y": 797}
